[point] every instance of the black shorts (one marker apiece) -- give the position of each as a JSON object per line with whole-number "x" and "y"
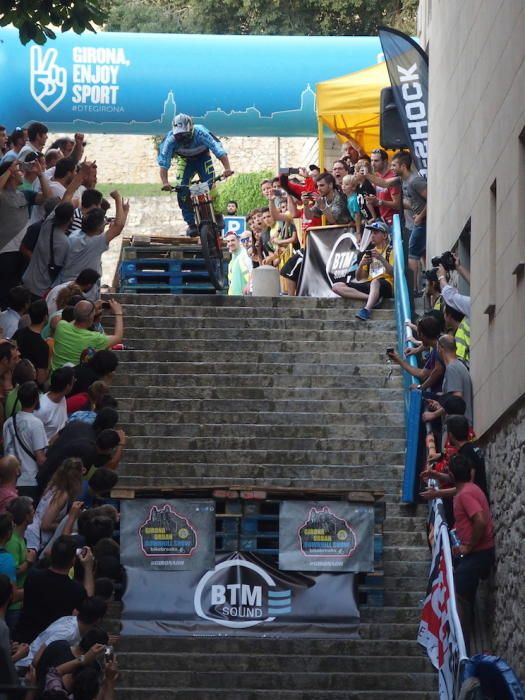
{"x": 385, "y": 288}
{"x": 468, "y": 571}
{"x": 292, "y": 267}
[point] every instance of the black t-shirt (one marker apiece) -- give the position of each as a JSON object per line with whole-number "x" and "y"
{"x": 76, "y": 439}
{"x": 32, "y": 347}
{"x": 56, "y": 654}
{"x": 476, "y": 458}
{"x": 84, "y": 378}
{"x": 361, "y": 190}
{"x": 47, "y": 596}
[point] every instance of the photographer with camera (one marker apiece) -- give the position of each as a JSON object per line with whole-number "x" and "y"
{"x": 328, "y": 201}
{"x": 445, "y": 264}
{"x": 72, "y": 338}
{"x": 375, "y": 274}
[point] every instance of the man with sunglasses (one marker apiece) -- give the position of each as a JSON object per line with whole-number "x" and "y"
{"x": 190, "y": 144}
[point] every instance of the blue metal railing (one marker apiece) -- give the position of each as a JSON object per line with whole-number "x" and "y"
{"x": 412, "y": 398}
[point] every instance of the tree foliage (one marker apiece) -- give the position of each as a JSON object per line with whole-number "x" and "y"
{"x": 35, "y": 19}
{"x": 245, "y": 189}
{"x": 281, "y": 17}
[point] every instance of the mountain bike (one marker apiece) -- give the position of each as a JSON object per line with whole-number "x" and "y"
{"x": 210, "y": 229}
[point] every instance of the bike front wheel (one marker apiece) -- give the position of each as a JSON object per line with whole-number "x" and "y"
{"x": 212, "y": 251}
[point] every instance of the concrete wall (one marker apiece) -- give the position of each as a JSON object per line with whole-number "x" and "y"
{"x": 477, "y": 113}
{"x": 477, "y": 173}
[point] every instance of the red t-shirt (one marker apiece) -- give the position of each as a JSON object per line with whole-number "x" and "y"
{"x": 469, "y": 501}
{"x": 387, "y": 194}
{"x": 7, "y": 494}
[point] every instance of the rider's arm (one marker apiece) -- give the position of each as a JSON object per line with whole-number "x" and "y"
{"x": 164, "y": 158}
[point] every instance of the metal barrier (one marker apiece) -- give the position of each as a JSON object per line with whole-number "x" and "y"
{"x": 404, "y": 334}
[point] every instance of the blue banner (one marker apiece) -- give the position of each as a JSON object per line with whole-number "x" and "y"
{"x": 136, "y": 83}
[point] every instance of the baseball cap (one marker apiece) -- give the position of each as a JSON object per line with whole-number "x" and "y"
{"x": 378, "y": 226}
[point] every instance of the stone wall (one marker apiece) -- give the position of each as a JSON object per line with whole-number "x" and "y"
{"x": 505, "y": 457}
{"x": 132, "y": 159}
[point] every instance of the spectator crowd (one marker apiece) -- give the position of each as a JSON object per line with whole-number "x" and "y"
{"x": 61, "y": 445}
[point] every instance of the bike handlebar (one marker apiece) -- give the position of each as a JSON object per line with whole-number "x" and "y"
{"x": 177, "y": 188}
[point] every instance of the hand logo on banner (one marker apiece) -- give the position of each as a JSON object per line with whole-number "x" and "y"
{"x": 48, "y": 81}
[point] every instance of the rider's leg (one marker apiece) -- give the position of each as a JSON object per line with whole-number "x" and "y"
{"x": 206, "y": 173}
{"x": 183, "y": 174}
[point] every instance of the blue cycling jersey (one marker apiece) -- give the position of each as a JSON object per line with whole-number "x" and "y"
{"x": 201, "y": 142}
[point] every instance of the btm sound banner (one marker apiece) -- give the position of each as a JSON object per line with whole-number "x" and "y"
{"x": 236, "y": 594}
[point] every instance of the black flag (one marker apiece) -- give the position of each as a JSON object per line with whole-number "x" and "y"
{"x": 407, "y": 65}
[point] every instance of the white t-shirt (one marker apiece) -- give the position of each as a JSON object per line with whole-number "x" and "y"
{"x": 65, "y": 628}
{"x": 53, "y": 415}
{"x": 38, "y": 212}
{"x": 31, "y": 431}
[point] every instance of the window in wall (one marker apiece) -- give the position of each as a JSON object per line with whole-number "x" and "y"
{"x": 519, "y": 268}
{"x": 491, "y": 306}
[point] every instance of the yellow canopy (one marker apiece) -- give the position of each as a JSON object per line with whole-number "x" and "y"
{"x": 349, "y": 105}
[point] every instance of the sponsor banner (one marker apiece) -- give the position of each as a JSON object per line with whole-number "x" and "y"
{"x": 407, "y": 65}
{"x": 440, "y": 629}
{"x": 161, "y": 535}
{"x": 326, "y": 536}
{"x": 330, "y": 254}
{"x": 234, "y": 224}
{"x": 240, "y": 595}
{"x": 135, "y": 83}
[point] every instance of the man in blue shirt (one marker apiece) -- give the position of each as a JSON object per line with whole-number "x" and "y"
{"x": 190, "y": 145}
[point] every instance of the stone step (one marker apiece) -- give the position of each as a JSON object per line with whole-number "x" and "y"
{"x": 144, "y": 417}
{"x": 405, "y": 553}
{"x": 250, "y": 325}
{"x": 213, "y": 301}
{"x": 406, "y": 584}
{"x": 400, "y": 597}
{"x": 217, "y": 431}
{"x": 265, "y": 646}
{"x": 367, "y": 384}
{"x": 250, "y": 443}
{"x": 261, "y": 694}
{"x": 176, "y": 475}
{"x": 255, "y": 393}
{"x": 405, "y": 538}
{"x": 183, "y": 351}
{"x": 276, "y": 663}
{"x": 220, "y": 300}
{"x": 342, "y": 458}
{"x": 389, "y": 614}
{"x": 277, "y": 682}
{"x": 163, "y": 338}
{"x": 407, "y": 523}
{"x": 147, "y": 363}
{"x": 341, "y": 315}
{"x": 407, "y": 569}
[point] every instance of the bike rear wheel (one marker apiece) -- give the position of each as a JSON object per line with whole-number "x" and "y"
{"x": 212, "y": 252}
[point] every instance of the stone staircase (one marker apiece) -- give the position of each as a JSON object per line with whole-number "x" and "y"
{"x": 219, "y": 392}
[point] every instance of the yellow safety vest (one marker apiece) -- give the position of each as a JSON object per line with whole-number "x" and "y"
{"x": 462, "y": 337}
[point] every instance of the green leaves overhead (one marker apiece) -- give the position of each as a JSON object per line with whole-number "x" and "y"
{"x": 303, "y": 17}
{"x": 36, "y": 19}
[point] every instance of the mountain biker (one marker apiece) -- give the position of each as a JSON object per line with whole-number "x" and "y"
{"x": 191, "y": 145}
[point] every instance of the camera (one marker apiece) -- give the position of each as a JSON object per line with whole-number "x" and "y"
{"x": 389, "y": 351}
{"x": 446, "y": 259}
{"x": 106, "y": 305}
{"x": 80, "y": 550}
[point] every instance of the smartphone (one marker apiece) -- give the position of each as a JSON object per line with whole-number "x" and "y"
{"x": 389, "y": 351}
{"x": 106, "y": 305}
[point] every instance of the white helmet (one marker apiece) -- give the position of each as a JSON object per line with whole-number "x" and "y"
{"x": 182, "y": 124}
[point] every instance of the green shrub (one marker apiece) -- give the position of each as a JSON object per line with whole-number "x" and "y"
{"x": 245, "y": 189}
